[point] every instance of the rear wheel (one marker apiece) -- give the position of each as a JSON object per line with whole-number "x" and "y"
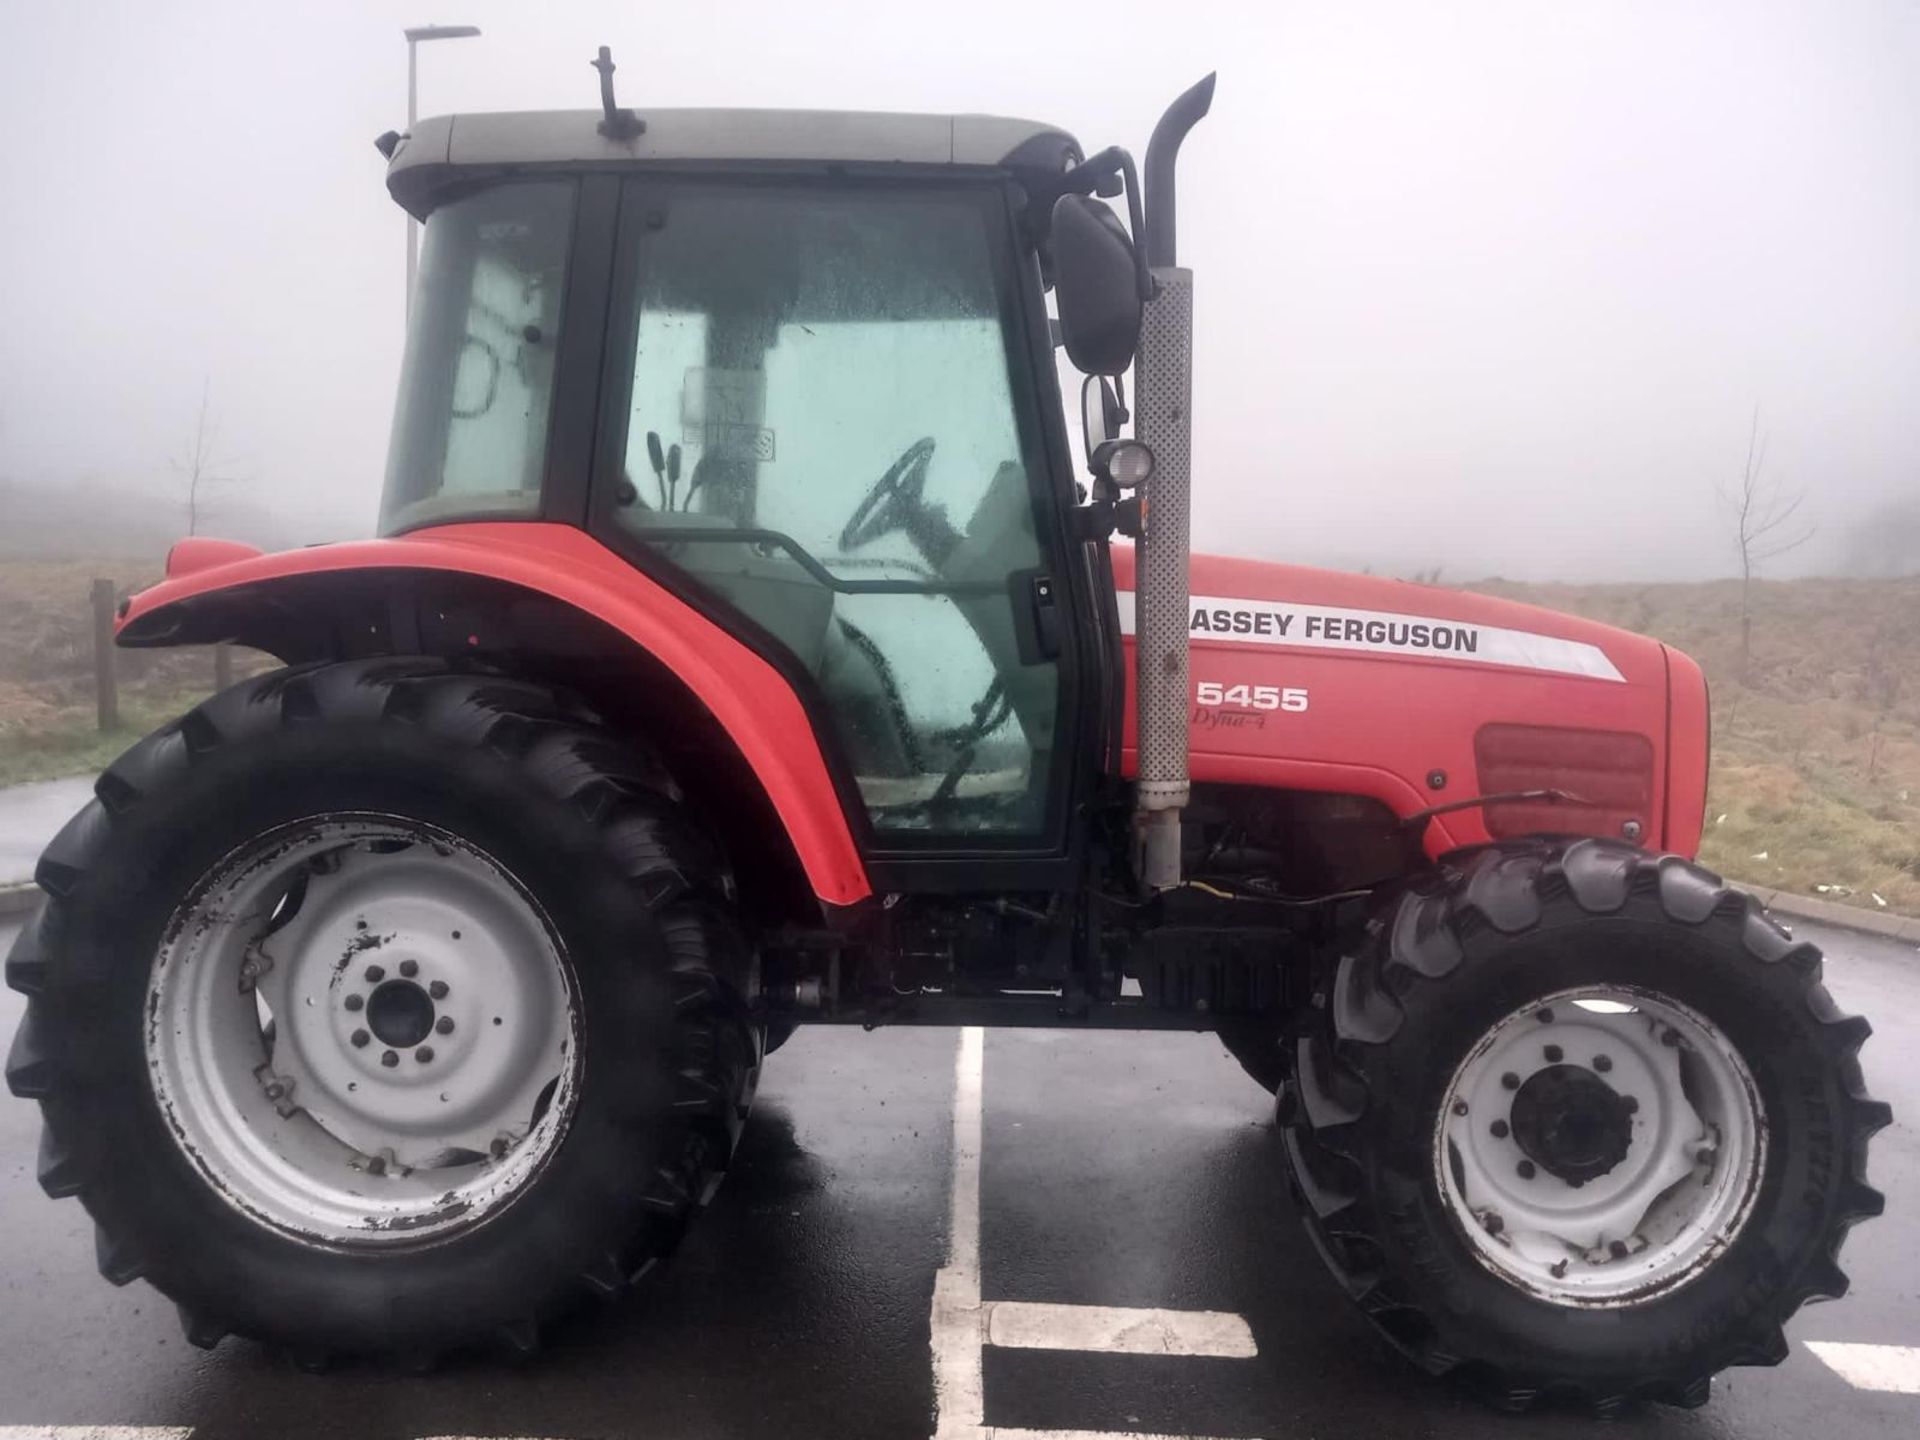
{"x": 1581, "y": 1121}
{"x": 380, "y": 1009}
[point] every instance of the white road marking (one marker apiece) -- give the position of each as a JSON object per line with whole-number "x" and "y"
{"x": 957, "y": 1325}
{"x": 1893, "y": 1368}
{"x": 961, "y": 1326}
{"x": 95, "y": 1432}
{"x": 1113, "y": 1330}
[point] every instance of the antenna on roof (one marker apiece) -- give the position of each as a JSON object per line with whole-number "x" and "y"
{"x": 619, "y": 124}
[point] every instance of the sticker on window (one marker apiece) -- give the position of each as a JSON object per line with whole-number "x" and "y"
{"x": 721, "y": 411}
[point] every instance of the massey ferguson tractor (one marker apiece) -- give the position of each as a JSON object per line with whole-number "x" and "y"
{"x": 744, "y": 647}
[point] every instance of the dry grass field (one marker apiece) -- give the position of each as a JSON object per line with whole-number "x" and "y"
{"x": 47, "y": 719}
{"x": 1816, "y": 749}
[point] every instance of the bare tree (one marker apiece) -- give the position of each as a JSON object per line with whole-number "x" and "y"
{"x": 197, "y": 470}
{"x": 1764, "y": 528}
{"x": 197, "y": 467}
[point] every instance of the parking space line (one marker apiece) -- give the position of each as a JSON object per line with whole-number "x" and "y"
{"x": 961, "y": 1327}
{"x": 1891, "y": 1368}
{"x": 1115, "y": 1330}
{"x": 956, "y": 1325}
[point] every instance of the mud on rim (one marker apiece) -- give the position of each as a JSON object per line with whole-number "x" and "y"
{"x": 363, "y": 1032}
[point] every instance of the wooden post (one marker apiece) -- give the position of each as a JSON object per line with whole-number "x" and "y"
{"x": 106, "y": 698}
{"x": 222, "y": 667}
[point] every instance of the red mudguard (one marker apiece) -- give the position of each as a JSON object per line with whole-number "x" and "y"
{"x": 754, "y": 705}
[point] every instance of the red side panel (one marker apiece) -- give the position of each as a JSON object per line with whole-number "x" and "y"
{"x": 747, "y": 696}
{"x": 1313, "y": 680}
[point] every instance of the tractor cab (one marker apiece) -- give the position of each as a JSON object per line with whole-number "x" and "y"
{"x": 809, "y": 387}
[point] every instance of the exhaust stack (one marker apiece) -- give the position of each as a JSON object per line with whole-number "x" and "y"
{"x": 1163, "y": 411}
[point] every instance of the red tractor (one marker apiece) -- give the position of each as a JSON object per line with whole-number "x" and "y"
{"x": 740, "y": 650}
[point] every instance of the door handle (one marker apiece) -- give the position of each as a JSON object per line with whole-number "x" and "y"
{"x": 1033, "y": 598}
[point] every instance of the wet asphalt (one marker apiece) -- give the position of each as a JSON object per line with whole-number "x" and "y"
{"x": 1117, "y": 1169}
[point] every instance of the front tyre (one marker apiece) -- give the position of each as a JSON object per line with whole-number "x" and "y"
{"x": 380, "y": 1009}
{"x": 1581, "y": 1121}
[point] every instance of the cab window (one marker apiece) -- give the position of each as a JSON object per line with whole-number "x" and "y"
{"x": 817, "y": 427}
{"x": 476, "y": 389}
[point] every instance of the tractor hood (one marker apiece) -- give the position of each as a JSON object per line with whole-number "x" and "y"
{"x": 1422, "y": 697}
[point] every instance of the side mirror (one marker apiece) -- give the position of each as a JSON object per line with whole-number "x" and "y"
{"x": 1101, "y": 413}
{"x": 1096, "y": 285}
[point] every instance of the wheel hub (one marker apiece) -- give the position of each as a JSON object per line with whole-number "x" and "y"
{"x": 1600, "y": 1145}
{"x": 400, "y": 1013}
{"x": 1571, "y": 1123}
{"x": 363, "y": 1031}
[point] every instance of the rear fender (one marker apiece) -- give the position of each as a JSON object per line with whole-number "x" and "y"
{"x": 536, "y": 597}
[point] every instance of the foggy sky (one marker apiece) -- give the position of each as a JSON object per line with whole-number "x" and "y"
{"x": 1493, "y": 287}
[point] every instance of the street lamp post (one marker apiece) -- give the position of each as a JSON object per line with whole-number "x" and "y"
{"x": 414, "y": 37}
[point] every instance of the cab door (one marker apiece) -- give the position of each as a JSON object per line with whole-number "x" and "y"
{"x": 820, "y": 423}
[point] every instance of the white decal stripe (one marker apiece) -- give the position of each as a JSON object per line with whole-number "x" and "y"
{"x": 1331, "y": 627}
{"x": 1894, "y": 1369}
{"x": 95, "y": 1432}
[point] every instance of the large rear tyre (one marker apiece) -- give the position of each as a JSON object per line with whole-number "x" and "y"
{"x": 1581, "y": 1121}
{"x": 380, "y": 1009}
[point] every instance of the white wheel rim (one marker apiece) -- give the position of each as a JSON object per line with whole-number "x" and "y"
{"x": 362, "y": 1031}
{"x": 1525, "y": 1124}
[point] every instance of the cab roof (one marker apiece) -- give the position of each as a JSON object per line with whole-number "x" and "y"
{"x": 429, "y": 156}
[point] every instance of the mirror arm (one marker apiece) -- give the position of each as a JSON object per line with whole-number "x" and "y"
{"x": 1085, "y": 178}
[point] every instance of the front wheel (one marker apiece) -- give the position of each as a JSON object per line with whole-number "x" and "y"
{"x": 1581, "y": 1121}
{"x": 380, "y": 1009}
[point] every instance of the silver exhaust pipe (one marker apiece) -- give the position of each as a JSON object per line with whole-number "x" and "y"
{"x": 1163, "y": 419}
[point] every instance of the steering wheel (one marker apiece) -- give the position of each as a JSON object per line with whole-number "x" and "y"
{"x": 894, "y": 499}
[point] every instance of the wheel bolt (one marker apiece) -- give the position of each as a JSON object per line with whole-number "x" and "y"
{"x": 1554, "y": 1054}
{"x": 376, "y": 1166}
{"x": 375, "y": 974}
{"x": 424, "y": 1054}
{"x": 1603, "y": 1063}
{"x": 1545, "y": 1017}
{"x": 1493, "y": 1222}
{"x": 1525, "y": 1170}
{"x": 1617, "y": 1249}
{"x": 438, "y": 989}
{"x": 389, "y": 1059}
{"x": 497, "y": 1149}
{"x": 276, "y": 1090}
{"x": 1510, "y": 1081}
{"x": 1459, "y": 1107}
{"x": 354, "y": 1002}
{"x": 1632, "y": 1105}
{"x": 1499, "y": 1129}
{"x": 1670, "y": 1038}
{"x": 360, "y": 1038}
{"x": 409, "y": 968}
